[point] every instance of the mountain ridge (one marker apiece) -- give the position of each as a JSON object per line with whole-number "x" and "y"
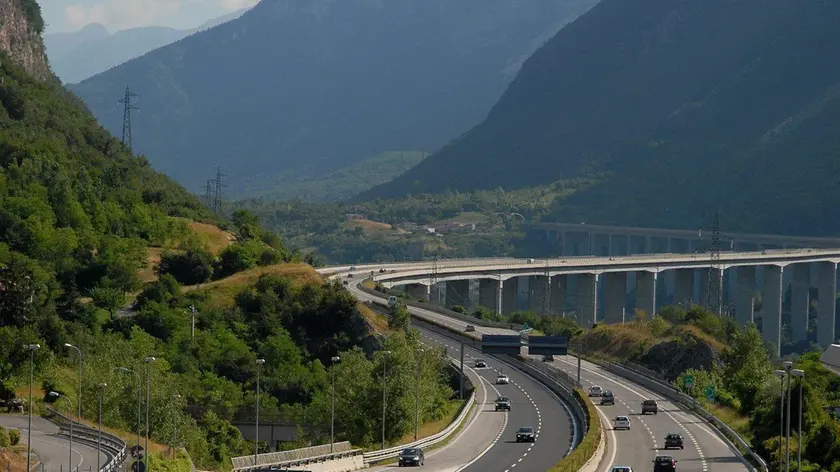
{"x": 364, "y": 78}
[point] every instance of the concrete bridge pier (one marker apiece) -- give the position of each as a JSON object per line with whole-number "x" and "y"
{"x": 418, "y": 292}
{"x": 559, "y": 286}
{"x": 638, "y": 244}
{"x": 713, "y": 277}
{"x": 510, "y": 290}
{"x": 679, "y": 245}
{"x": 745, "y": 295}
{"x": 771, "y": 324}
{"x": 601, "y": 245}
{"x": 826, "y": 304}
{"x": 684, "y": 286}
{"x": 615, "y": 285}
{"x": 800, "y": 302}
{"x": 458, "y": 293}
{"x": 490, "y": 294}
{"x": 646, "y": 292}
{"x": 587, "y": 299}
{"x": 539, "y": 286}
{"x": 619, "y": 245}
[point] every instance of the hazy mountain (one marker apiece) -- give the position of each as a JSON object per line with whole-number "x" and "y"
{"x": 77, "y": 56}
{"x": 689, "y": 106}
{"x": 298, "y": 87}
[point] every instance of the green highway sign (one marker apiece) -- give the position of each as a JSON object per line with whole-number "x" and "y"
{"x": 710, "y": 393}
{"x": 688, "y": 380}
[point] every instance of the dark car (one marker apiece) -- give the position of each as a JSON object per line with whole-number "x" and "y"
{"x": 607, "y": 398}
{"x": 649, "y": 406}
{"x": 480, "y": 363}
{"x": 503, "y": 403}
{"x": 673, "y": 440}
{"x": 664, "y": 464}
{"x": 526, "y": 434}
{"x": 548, "y": 358}
{"x": 470, "y": 329}
{"x": 411, "y": 456}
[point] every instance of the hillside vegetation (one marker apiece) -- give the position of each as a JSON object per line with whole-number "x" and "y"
{"x": 309, "y": 87}
{"x": 688, "y": 107}
{"x": 78, "y": 214}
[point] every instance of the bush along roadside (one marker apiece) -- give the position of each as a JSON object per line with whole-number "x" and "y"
{"x": 591, "y": 440}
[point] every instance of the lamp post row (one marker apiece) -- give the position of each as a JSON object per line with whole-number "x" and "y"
{"x": 786, "y": 374}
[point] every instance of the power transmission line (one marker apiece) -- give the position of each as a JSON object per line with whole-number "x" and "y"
{"x": 714, "y": 295}
{"x": 547, "y": 292}
{"x": 127, "y": 107}
{"x": 220, "y": 186}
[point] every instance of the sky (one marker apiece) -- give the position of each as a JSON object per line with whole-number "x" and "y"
{"x": 72, "y": 15}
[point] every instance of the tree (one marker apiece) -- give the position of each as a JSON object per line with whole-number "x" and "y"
{"x": 399, "y": 317}
{"x": 195, "y": 266}
{"x": 108, "y": 297}
{"x": 247, "y": 225}
{"x": 746, "y": 364}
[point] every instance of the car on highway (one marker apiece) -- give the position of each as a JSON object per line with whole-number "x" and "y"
{"x": 664, "y": 464}
{"x": 621, "y": 468}
{"x": 502, "y": 379}
{"x": 595, "y": 391}
{"x": 674, "y": 440}
{"x": 470, "y": 329}
{"x": 548, "y": 358}
{"x": 349, "y": 276}
{"x": 650, "y": 406}
{"x": 621, "y": 422}
{"x": 503, "y": 403}
{"x": 411, "y": 456}
{"x": 607, "y": 398}
{"x": 352, "y": 268}
{"x": 526, "y": 434}
{"x": 480, "y": 363}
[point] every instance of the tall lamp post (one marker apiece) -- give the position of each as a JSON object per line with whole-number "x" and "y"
{"x": 384, "y": 391}
{"x": 31, "y": 348}
{"x": 801, "y": 374}
{"x": 192, "y": 325}
{"x": 101, "y": 387}
{"x": 781, "y": 374}
{"x": 175, "y": 398}
{"x": 417, "y": 393}
{"x": 70, "y": 461}
{"x": 260, "y": 363}
{"x": 139, "y": 398}
{"x": 148, "y": 362}
{"x": 81, "y": 364}
{"x": 788, "y": 366}
{"x": 335, "y": 360}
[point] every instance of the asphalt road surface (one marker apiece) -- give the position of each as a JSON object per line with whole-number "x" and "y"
{"x": 53, "y": 450}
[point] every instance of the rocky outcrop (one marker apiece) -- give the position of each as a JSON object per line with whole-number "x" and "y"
{"x": 20, "y": 39}
{"x": 672, "y": 358}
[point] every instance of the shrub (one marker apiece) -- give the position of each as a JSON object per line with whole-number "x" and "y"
{"x": 189, "y": 268}
{"x": 4, "y": 438}
{"x": 14, "y": 437}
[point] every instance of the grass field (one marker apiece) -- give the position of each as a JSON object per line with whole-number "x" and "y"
{"x": 11, "y": 461}
{"x": 467, "y": 217}
{"x": 377, "y": 320}
{"x": 370, "y": 226}
{"x": 221, "y": 292}
{"x": 214, "y": 238}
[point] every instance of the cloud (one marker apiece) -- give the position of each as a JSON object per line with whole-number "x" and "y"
{"x": 121, "y": 14}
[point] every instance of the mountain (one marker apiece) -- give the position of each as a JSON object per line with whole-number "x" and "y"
{"x": 300, "y": 87}
{"x": 687, "y": 106}
{"x": 92, "y": 50}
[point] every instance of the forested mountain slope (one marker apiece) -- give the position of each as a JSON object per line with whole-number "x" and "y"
{"x": 689, "y": 106}
{"x": 300, "y": 87}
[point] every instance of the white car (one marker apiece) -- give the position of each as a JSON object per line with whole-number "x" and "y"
{"x": 621, "y": 468}
{"x": 502, "y": 379}
{"x": 596, "y": 391}
{"x": 621, "y": 422}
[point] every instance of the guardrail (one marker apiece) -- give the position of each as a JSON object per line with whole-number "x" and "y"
{"x": 733, "y": 439}
{"x": 343, "y": 450}
{"x": 112, "y": 445}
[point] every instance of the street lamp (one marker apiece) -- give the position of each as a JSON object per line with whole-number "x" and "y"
{"x": 139, "y": 397}
{"x": 417, "y": 393}
{"x": 788, "y": 366}
{"x": 334, "y": 359}
{"x": 81, "y": 363}
{"x": 781, "y": 375}
{"x": 70, "y": 461}
{"x": 192, "y": 326}
{"x": 260, "y": 362}
{"x": 801, "y": 374}
{"x": 148, "y": 362}
{"x": 175, "y": 398}
{"x": 384, "y": 391}
{"x": 31, "y": 348}
{"x": 101, "y": 387}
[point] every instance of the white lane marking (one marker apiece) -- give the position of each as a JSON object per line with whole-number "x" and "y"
{"x": 611, "y": 434}
{"x": 498, "y": 436}
{"x": 65, "y": 446}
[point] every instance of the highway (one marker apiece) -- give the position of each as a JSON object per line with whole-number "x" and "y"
{"x": 53, "y": 450}
{"x": 532, "y": 405}
{"x": 636, "y": 448}
{"x": 481, "y": 429}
